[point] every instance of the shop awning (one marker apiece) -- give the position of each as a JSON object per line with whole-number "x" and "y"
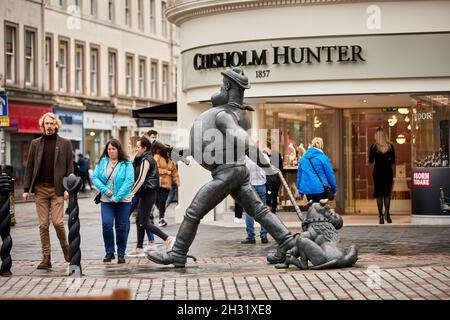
{"x": 166, "y": 111}
{"x": 26, "y": 116}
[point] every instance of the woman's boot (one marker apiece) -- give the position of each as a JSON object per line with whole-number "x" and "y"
{"x": 388, "y": 217}
{"x": 381, "y": 218}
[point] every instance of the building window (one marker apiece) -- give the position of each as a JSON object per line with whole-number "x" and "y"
{"x": 30, "y": 54}
{"x": 141, "y": 14}
{"x": 111, "y": 15}
{"x": 62, "y": 3}
{"x": 94, "y": 72}
{"x": 152, "y": 17}
{"x": 79, "y": 69}
{"x": 48, "y": 63}
{"x": 128, "y": 13}
{"x": 112, "y": 65}
{"x": 163, "y": 19}
{"x": 142, "y": 78}
{"x": 93, "y": 8}
{"x": 11, "y": 53}
{"x": 62, "y": 66}
{"x": 129, "y": 76}
{"x": 154, "y": 79}
{"x": 165, "y": 82}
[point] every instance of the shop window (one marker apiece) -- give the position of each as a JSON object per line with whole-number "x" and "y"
{"x": 430, "y": 129}
{"x": 291, "y": 128}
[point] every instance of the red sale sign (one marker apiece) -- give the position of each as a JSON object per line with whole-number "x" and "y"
{"x": 422, "y": 178}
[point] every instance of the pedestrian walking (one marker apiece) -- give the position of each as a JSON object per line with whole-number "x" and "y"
{"x": 382, "y": 154}
{"x": 113, "y": 177}
{"x": 76, "y": 170}
{"x": 83, "y": 171}
{"x": 135, "y": 201}
{"x": 147, "y": 185}
{"x": 315, "y": 173}
{"x": 167, "y": 172}
{"x": 258, "y": 181}
{"x": 49, "y": 161}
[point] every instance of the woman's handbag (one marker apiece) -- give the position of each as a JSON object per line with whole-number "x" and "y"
{"x": 327, "y": 190}
{"x": 99, "y": 195}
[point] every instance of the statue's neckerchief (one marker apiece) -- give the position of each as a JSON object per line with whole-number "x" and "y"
{"x": 240, "y": 106}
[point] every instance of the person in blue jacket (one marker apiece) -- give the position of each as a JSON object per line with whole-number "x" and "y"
{"x": 113, "y": 177}
{"x": 308, "y": 182}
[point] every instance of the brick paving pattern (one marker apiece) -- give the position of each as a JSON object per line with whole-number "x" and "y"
{"x": 248, "y": 278}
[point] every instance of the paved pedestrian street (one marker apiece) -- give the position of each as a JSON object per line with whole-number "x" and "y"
{"x": 396, "y": 262}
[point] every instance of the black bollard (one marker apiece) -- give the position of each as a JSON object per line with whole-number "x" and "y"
{"x": 5, "y": 224}
{"x": 72, "y": 184}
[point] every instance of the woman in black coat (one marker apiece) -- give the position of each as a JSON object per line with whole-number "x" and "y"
{"x": 383, "y": 155}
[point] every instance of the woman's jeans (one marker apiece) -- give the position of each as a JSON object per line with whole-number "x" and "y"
{"x": 250, "y": 222}
{"x": 143, "y": 222}
{"x": 161, "y": 199}
{"x": 173, "y": 191}
{"x": 115, "y": 214}
{"x": 134, "y": 205}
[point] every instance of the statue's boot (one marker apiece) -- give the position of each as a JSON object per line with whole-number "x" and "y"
{"x": 178, "y": 255}
{"x": 279, "y": 232}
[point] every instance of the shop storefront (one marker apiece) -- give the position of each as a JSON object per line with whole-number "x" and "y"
{"x": 72, "y": 128}
{"x": 97, "y": 132}
{"x": 431, "y": 168}
{"x": 24, "y": 120}
{"x": 337, "y": 81}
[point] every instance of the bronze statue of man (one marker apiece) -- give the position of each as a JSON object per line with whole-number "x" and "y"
{"x": 219, "y": 143}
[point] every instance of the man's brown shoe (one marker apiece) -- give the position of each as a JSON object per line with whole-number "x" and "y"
{"x": 45, "y": 264}
{"x": 65, "y": 250}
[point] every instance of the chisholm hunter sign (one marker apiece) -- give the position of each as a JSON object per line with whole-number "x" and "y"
{"x": 280, "y": 55}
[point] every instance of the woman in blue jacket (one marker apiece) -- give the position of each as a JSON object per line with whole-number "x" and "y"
{"x": 308, "y": 183}
{"x": 113, "y": 177}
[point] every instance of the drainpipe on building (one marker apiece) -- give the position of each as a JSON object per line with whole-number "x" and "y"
{"x": 43, "y": 45}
